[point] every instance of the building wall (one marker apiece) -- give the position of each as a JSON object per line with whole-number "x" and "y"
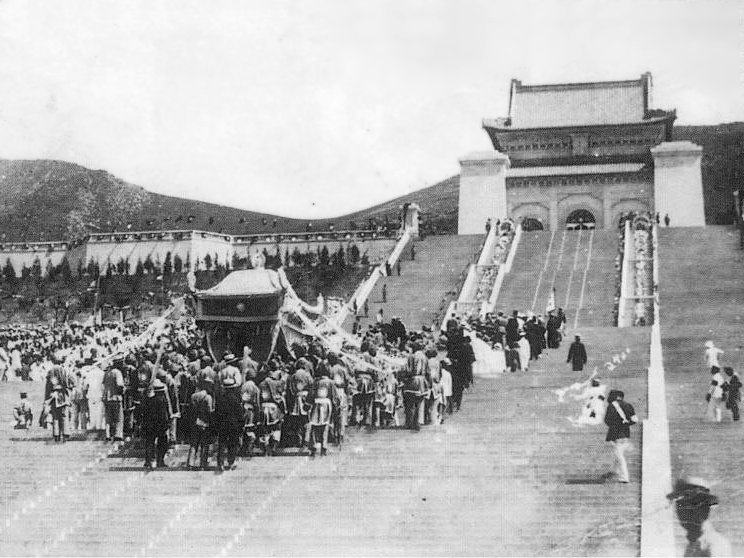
{"x": 191, "y": 247}
{"x": 376, "y": 250}
{"x": 679, "y": 183}
{"x": 26, "y": 257}
{"x": 482, "y": 193}
{"x": 632, "y": 142}
{"x": 552, "y": 199}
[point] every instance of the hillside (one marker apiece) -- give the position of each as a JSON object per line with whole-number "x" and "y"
{"x": 49, "y": 200}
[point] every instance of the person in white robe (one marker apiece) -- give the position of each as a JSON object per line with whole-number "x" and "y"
{"x": 524, "y": 353}
{"x": 93, "y": 378}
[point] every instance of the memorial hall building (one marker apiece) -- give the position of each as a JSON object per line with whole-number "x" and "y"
{"x": 581, "y": 154}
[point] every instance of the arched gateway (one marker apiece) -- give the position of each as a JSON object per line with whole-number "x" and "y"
{"x": 532, "y": 224}
{"x": 581, "y": 219}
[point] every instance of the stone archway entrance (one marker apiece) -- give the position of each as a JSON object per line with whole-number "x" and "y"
{"x": 531, "y": 224}
{"x": 581, "y": 219}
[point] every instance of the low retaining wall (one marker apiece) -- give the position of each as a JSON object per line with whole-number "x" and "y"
{"x": 657, "y": 515}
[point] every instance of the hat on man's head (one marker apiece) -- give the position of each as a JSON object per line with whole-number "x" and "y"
{"x": 229, "y": 358}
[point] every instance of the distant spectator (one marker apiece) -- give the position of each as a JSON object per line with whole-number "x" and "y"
{"x": 577, "y": 355}
{"x": 23, "y": 413}
{"x": 733, "y": 391}
{"x": 667, "y": 220}
{"x": 715, "y": 396}
{"x": 711, "y": 355}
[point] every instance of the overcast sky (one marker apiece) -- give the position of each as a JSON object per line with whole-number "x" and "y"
{"x": 318, "y": 108}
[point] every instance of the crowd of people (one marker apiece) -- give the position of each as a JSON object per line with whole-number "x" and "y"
{"x": 121, "y": 382}
{"x": 509, "y": 343}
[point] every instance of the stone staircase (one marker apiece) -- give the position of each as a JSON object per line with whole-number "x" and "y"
{"x": 416, "y": 295}
{"x": 507, "y": 475}
{"x": 702, "y": 298}
{"x": 580, "y": 264}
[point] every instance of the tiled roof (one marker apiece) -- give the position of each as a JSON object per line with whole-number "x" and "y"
{"x": 579, "y": 104}
{"x": 571, "y": 170}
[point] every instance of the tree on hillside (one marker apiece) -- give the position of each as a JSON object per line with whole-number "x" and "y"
{"x": 148, "y": 265}
{"x": 76, "y": 226}
{"x": 353, "y": 255}
{"x": 64, "y": 271}
{"x": 168, "y": 265}
{"x": 36, "y": 273}
{"x": 50, "y": 272}
{"x": 324, "y": 257}
{"x": 9, "y": 274}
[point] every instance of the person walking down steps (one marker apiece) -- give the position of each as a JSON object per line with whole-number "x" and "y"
{"x": 577, "y": 355}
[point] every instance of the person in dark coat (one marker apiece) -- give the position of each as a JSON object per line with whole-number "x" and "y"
{"x": 156, "y": 420}
{"x": 733, "y": 391}
{"x": 512, "y": 329}
{"x": 229, "y": 421}
{"x": 534, "y": 336}
{"x": 467, "y": 359}
{"x": 619, "y": 417}
{"x": 577, "y": 355}
{"x": 554, "y": 334}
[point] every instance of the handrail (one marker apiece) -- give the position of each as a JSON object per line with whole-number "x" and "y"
{"x": 626, "y": 277}
{"x": 657, "y": 520}
{"x": 488, "y": 246}
{"x": 503, "y": 270}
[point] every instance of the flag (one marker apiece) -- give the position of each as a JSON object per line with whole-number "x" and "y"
{"x": 551, "y": 302}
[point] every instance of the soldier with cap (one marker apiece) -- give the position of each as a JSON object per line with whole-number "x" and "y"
{"x": 202, "y": 405}
{"x": 250, "y": 395}
{"x": 297, "y": 395}
{"x": 59, "y": 385}
{"x": 320, "y": 421}
{"x": 113, "y": 400}
{"x": 228, "y": 417}
{"x": 156, "y": 418}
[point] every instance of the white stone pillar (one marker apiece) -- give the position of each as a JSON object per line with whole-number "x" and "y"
{"x": 412, "y": 220}
{"x": 482, "y": 190}
{"x": 678, "y": 183}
